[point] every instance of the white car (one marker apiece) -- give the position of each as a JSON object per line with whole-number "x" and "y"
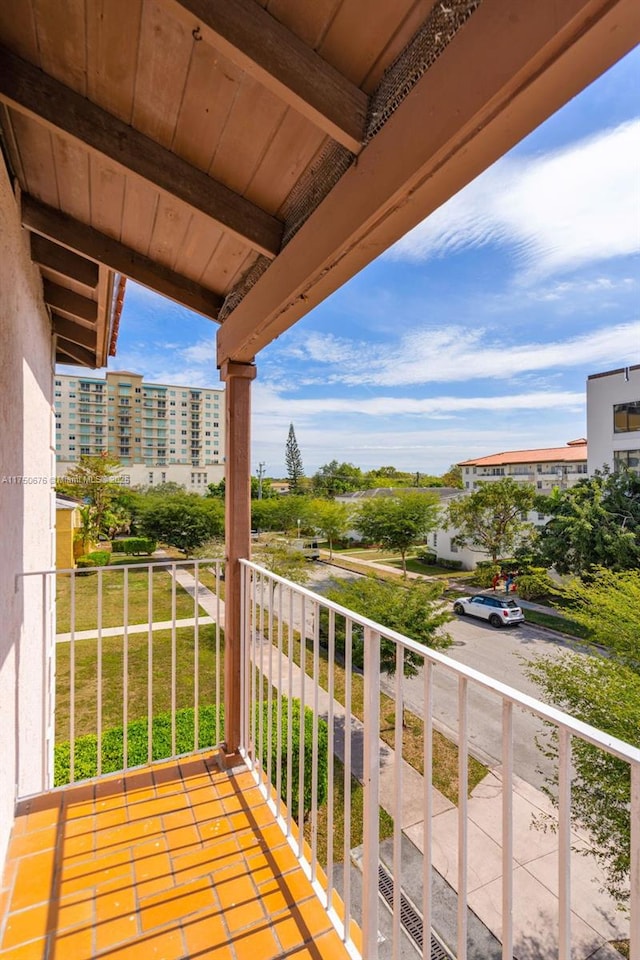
{"x": 499, "y": 613}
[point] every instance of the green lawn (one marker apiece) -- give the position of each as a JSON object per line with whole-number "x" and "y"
{"x": 113, "y": 612}
{"x": 86, "y": 682}
{"x": 562, "y": 624}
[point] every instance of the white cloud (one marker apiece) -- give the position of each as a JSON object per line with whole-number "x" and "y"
{"x": 270, "y": 403}
{"x": 576, "y": 206}
{"x": 459, "y": 354}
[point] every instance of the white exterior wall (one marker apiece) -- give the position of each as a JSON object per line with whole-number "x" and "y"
{"x": 27, "y": 514}
{"x": 195, "y": 479}
{"x": 603, "y": 391}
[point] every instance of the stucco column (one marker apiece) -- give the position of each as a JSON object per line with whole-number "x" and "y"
{"x": 238, "y": 377}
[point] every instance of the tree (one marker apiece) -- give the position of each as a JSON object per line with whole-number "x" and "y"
{"x": 93, "y": 480}
{"x": 282, "y": 514}
{"x": 335, "y": 478}
{"x": 491, "y": 518}
{"x": 330, "y": 519}
{"x": 183, "y": 521}
{"x": 605, "y": 692}
{"x": 594, "y": 523}
{"x": 293, "y": 459}
{"x": 453, "y": 477}
{"x": 415, "y": 610}
{"x": 398, "y": 523}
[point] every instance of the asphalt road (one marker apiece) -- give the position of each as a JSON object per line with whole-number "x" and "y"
{"x": 499, "y": 653}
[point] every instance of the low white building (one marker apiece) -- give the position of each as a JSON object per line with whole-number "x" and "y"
{"x": 542, "y": 468}
{"x": 613, "y": 419}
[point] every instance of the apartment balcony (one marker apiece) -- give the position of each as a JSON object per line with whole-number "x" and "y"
{"x": 146, "y": 844}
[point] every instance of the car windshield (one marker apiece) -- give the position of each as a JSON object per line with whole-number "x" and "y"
{"x": 510, "y": 603}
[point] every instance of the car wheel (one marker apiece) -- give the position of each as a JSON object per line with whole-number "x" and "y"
{"x": 458, "y": 608}
{"x": 495, "y": 620}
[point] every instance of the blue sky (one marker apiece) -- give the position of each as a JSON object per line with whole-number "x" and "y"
{"x": 475, "y": 333}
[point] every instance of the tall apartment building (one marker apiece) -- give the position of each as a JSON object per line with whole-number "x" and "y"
{"x": 159, "y": 432}
{"x": 545, "y": 468}
{"x": 613, "y": 419}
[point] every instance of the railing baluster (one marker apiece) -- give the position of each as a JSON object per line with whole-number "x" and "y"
{"x": 463, "y": 778}
{"x": 302, "y": 737}
{"x": 291, "y": 649}
{"x": 346, "y": 848}
{"x": 507, "y": 830}
{"x": 371, "y": 776}
{"x": 173, "y": 658}
{"x": 279, "y": 705}
{"x": 314, "y": 741}
{"x": 196, "y": 665}
{"x": 634, "y": 898}
{"x": 150, "y": 665}
{"x": 125, "y": 671}
{"x": 397, "y": 803}
{"x": 99, "y": 676}
{"x": 331, "y": 650}
{"x": 564, "y": 845}
{"x": 218, "y": 569}
{"x": 72, "y": 682}
{"x": 271, "y": 588}
{"x": 253, "y": 668}
{"x": 427, "y": 855}
{"x": 260, "y": 668}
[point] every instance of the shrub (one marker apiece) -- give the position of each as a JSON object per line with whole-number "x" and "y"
{"x": 427, "y": 556}
{"x": 536, "y": 584}
{"x": 86, "y": 747}
{"x": 485, "y": 572}
{"x": 134, "y": 545}
{"x": 99, "y": 558}
{"x": 449, "y": 564}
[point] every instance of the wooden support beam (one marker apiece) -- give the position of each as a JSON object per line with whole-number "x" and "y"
{"x": 62, "y": 357}
{"x": 264, "y": 48}
{"x": 86, "y": 358}
{"x": 31, "y": 91}
{"x": 96, "y": 246}
{"x": 68, "y": 303}
{"x": 238, "y": 377}
{"x": 493, "y": 84}
{"x": 63, "y": 261}
{"x": 76, "y": 332}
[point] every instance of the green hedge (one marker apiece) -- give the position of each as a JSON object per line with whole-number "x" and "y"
{"x": 86, "y": 747}
{"x": 134, "y": 545}
{"x": 99, "y": 558}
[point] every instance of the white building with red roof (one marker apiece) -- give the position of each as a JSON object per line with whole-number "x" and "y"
{"x": 545, "y": 468}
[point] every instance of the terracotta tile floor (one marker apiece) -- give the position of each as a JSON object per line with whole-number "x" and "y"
{"x": 172, "y": 862}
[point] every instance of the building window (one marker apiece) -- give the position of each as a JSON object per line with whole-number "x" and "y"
{"x": 626, "y": 458}
{"x": 626, "y": 417}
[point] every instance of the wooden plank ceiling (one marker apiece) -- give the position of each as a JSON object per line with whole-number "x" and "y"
{"x": 246, "y": 158}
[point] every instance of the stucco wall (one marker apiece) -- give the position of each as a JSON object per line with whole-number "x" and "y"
{"x": 26, "y": 511}
{"x": 602, "y": 393}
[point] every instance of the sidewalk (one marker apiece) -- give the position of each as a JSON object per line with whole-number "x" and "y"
{"x": 595, "y": 919}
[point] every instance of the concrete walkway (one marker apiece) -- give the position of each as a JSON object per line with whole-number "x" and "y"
{"x": 595, "y": 919}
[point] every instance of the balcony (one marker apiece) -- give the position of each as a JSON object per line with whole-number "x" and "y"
{"x": 162, "y": 851}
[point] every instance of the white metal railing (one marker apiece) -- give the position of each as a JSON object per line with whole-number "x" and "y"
{"x": 117, "y": 612}
{"x": 277, "y": 669}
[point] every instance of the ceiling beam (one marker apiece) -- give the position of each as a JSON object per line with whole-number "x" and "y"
{"x": 76, "y": 236}
{"x": 86, "y": 358}
{"x": 265, "y": 49}
{"x": 35, "y": 93}
{"x": 63, "y": 261}
{"x": 448, "y": 130}
{"x": 62, "y": 357}
{"x": 69, "y": 303}
{"x": 76, "y": 332}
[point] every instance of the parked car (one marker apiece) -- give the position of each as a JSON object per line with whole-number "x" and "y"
{"x": 499, "y": 613}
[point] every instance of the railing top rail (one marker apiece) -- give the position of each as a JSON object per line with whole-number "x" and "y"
{"x": 585, "y": 731}
{"x": 141, "y": 565}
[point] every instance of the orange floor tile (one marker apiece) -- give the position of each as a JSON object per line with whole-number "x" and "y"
{"x": 173, "y": 862}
